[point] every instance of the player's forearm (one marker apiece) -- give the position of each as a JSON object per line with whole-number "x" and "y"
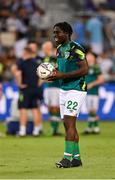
{"x": 79, "y": 73}
{"x": 18, "y": 81}
{"x": 93, "y": 84}
{"x": 97, "y": 82}
{"x": 18, "y": 78}
{"x": 100, "y": 80}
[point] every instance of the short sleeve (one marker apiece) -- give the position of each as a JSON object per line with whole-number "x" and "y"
{"x": 79, "y": 52}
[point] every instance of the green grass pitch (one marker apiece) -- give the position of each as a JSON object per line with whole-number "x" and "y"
{"x": 34, "y": 158}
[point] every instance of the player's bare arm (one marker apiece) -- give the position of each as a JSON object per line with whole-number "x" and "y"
{"x": 83, "y": 70}
{"x": 100, "y": 80}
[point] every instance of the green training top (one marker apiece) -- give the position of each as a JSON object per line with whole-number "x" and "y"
{"x": 68, "y": 56}
{"x": 53, "y": 61}
{"x": 93, "y": 73}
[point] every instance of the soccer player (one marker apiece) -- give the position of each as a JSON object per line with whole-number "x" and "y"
{"x": 94, "y": 79}
{"x": 51, "y": 91}
{"x": 72, "y": 68}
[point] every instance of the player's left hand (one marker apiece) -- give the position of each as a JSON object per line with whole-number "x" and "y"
{"x": 55, "y": 75}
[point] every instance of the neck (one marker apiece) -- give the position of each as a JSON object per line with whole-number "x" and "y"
{"x": 66, "y": 42}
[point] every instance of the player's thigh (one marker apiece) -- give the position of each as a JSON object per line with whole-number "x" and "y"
{"x": 92, "y": 102}
{"x": 74, "y": 101}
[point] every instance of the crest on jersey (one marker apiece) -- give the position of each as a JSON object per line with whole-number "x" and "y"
{"x": 67, "y": 54}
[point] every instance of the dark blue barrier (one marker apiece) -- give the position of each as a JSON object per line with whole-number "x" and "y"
{"x": 10, "y": 91}
{"x": 106, "y": 109}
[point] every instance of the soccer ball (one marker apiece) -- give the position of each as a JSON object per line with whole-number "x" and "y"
{"x": 45, "y": 70}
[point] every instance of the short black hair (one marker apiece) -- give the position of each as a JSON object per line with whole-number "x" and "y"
{"x": 64, "y": 26}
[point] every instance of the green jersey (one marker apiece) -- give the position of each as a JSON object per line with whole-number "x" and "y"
{"x": 53, "y": 61}
{"x": 93, "y": 73}
{"x": 68, "y": 56}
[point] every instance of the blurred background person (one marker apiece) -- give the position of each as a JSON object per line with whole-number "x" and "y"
{"x": 106, "y": 64}
{"x": 79, "y": 31}
{"x": 30, "y": 93}
{"x": 79, "y": 28}
{"x": 51, "y": 92}
{"x": 94, "y": 79}
{"x": 94, "y": 32}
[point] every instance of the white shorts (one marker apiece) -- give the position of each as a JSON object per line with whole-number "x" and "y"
{"x": 51, "y": 96}
{"x": 92, "y": 102}
{"x": 71, "y": 102}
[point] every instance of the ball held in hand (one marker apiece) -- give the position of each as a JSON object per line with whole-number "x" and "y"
{"x": 45, "y": 70}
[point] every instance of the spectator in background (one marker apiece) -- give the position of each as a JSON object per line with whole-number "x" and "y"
{"x": 6, "y": 4}
{"x": 89, "y": 5}
{"x": 51, "y": 92}
{"x": 4, "y": 14}
{"x": 37, "y": 18}
{"x": 30, "y": 92}
{"x": 110, "y": 4}
{"x": 94, "y": 32}
{"x": 108, "y": 26}
{"x": 9, "y": 59}
{"x": 23, "y": 15}
{"x": 20, "y": 44}
{"x": 79, "y": 30}
{"x": 13, "y": 23}
{"x": 1, "y": 50}
{"x": 29, "y": 5}
{"x": 110, "y": 32}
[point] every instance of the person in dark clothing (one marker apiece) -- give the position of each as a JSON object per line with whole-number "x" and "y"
{"x": 29, "y": 91}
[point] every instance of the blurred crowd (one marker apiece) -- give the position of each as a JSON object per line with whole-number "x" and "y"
{"x": 22, "y": 21}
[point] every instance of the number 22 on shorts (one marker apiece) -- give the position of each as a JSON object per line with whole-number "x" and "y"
{"x": 72, "y": 105}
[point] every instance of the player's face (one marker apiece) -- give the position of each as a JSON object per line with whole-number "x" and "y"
{"x": 33, "y": 47}
{"x": 60, "y": 36}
